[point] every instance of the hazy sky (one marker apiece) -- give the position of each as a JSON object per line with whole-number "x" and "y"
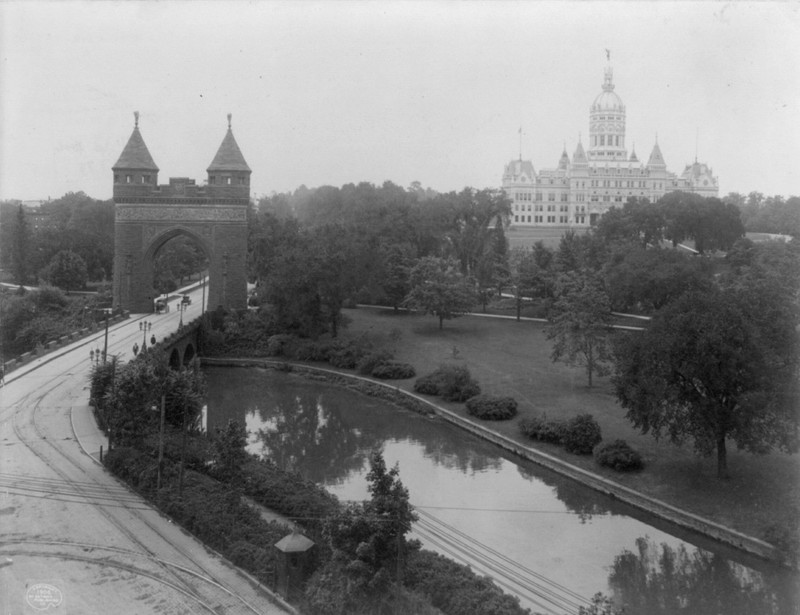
{"x": 339, "y": 92}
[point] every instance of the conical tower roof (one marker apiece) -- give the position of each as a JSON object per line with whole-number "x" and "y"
{"x": 579, "y": 156}
{"x": 563, "y": 162}
{"x": 229, "y": 156}
{"x": 656, "y": 158}
{"x": 136, "y": 155}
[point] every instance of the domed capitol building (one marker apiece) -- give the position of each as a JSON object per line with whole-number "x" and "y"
{"x": 578, "y": 191}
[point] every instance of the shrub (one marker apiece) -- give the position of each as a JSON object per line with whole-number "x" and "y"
{"x": 369, "y": 362}
{"x": 544, "y": 430}
{"x": 452, "y": 382}
{"x": 455, "y": 589}
{"x": 345, "y": 355}
{"x": 394, "y": 370}
{"x": 457, "y": 383}
{"x": 492, "y": 407}
{"x": 278, "y": 344}
{"x": 427, "y": 385}
{"x": 308, "y": 350}
{"x": 582, "y": 434}
{"x": 619, "y": 456}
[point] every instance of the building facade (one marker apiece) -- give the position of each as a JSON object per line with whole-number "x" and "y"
{"x": 148, "y": 215}
{"x": 601, "y": 175}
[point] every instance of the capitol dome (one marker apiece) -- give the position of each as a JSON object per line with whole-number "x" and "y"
{"x": 608, "y": 100}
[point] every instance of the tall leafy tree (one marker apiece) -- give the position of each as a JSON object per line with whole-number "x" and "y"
{"x": 579, "y": 323}
{"x": 438, "y": 288}
{"x": 66, "y": 270}
{"x": 704, "y": 369}
{"x": 475, "y": 216}
{"x": 396, "y": 262}
{"x": 647, "y": 279}
{"x": 711, "y": 223}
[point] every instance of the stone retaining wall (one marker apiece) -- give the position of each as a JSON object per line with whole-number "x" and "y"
{"x": 52, "y": 345}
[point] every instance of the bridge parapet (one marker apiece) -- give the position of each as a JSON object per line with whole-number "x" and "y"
{"x": 181, "y": 345}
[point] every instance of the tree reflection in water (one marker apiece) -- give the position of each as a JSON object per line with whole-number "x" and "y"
{"x": 662, "y": 580}
{"x": 302, "y": 435}
{"x": 575, "y": 497}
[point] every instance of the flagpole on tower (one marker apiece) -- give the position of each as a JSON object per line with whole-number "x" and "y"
{"x": 520, "y": 143}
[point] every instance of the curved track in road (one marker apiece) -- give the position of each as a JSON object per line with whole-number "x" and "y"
{"x": 61, "y": 510}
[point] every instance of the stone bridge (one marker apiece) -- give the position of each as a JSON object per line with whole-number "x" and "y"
{"x": 181, "y": 345}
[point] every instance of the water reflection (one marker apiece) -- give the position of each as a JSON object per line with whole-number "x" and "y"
{"x": 534, "y": 517}
{"x": 570, "y": 493}
{"x": 325, "y": 434}
{"x": 662, "y": 580}
{"x": 303, "y": 434}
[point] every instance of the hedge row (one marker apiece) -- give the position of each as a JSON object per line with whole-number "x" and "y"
{"x": 351, "y": 354}
{"x": 492, "y": 407}
{"x": 578, "y": 435}
{"x": 208, "y": 509}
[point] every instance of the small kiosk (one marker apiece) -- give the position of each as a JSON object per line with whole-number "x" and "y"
{"x": 293, "y": 563}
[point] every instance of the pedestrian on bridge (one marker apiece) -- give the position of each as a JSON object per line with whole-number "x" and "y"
{"x": 135, "y": 349}
{"x": 153, "y": 340}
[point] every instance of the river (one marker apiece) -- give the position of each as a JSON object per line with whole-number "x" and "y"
{"x": 544, "y": 538}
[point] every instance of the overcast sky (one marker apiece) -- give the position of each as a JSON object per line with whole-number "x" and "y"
{"x": 339, "y": 92}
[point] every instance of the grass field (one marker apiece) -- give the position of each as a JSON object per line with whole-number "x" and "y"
{"x": 513, "y": 358}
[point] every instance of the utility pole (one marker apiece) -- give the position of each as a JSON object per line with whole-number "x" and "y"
{"x": 160, "y": 445}
{"x": 105, "y": 345}
{"x": 183, "y": 451}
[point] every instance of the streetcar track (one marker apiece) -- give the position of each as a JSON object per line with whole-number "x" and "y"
{"x": 112, "y": 564}
{"x": 36, "y": 399}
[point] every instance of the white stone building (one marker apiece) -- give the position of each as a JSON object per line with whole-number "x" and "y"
{"x": 578, "y": 191}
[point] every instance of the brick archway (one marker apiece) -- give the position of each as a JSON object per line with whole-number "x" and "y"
{"x": 147, "y": 215}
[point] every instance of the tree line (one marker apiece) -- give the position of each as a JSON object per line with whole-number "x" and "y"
{"x": 717, "y": 363}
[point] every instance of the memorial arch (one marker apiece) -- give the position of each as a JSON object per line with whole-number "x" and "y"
{"x": 148, "y": 215}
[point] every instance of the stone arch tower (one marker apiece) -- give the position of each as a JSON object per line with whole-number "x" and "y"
{"x": 147, "y": 215}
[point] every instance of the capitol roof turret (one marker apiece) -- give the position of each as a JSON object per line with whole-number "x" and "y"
{"x": 608, "y": 100}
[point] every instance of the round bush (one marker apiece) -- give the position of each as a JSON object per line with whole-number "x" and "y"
{"x": 619, "y": 456}
{"x": 394, "y": 370}
{"x": 427, "y": 385}
{"x": 369, "y": 362}
{"x": 582, "y": 434}
{"x": 457, "y": 383}
{"x": 492, "y": 407}
{"x": 542, "y": 429}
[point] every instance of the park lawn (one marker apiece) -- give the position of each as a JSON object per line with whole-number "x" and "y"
{"x": 507, "y": 357}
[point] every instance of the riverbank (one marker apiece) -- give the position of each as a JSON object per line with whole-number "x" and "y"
{"x": 502, "y": 355}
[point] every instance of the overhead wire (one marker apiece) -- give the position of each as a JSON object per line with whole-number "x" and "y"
{"x": 502, "y": 569}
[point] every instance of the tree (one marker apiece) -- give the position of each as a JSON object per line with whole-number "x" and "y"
{"x": 396, "y": 263}
{"x": 713, "y": 224}
{"x": 705, "y": 369}
{"x": 579, "y": 323}
{"x": 647, "y": 279}
{"x": 438, "y": 288}
{"x": 475, "y": 216}
{"x": 371, "y": 535}
{"x": 527, "y": 278}
{"x": 22, "y": 242}
{"x": 229, "y": 451}
{"x": 66, "y": 270}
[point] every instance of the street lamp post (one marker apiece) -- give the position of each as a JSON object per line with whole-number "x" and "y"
{"x": 181, "y": 306}
{"x": 145, "y": 327}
